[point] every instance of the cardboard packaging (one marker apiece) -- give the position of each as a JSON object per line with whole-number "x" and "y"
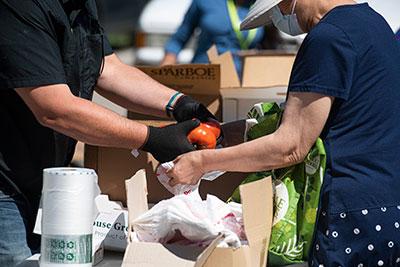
{"x": 200, "y": 81}
{"x": 257, "y": 200}
{"x": 264, "y": 79}
{"x": 114, "y": 165}
{"x": 267, "y": 71}
{"x": 110, "y": 227}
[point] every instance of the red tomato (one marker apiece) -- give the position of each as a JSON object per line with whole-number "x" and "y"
{"x": 203, "y": 137}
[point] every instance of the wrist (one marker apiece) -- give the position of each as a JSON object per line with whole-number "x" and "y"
{"x": 170, "y": 107}
{"x": 204, "y": 160}
{"x": 146, "y": 146}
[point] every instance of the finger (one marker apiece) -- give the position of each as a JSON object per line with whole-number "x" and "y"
{"x": 169, "y": 172}
{"x": 204, "y": 114}
{"x": 172, "y": 182}
{"x": 177, "y": 159}
{"x": 189, "y": 125}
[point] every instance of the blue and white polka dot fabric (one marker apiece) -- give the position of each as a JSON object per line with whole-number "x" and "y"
{"x": 368, "y": 237}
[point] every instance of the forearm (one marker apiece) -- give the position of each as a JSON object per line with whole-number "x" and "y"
{"x": 93, "y": 124}
{"x": 265, "y": 153}
{"x": 169, "y": 59}
{"x": 303, "y": 120}
{"x": 133, "y": 89}
{"x": 55, "y": 107}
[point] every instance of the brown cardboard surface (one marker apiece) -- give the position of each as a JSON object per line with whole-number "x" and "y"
{"x": 137, "y": 199}
{"x": 257, "y": 216}
{"x": 115, "y": 165}
{"x": 154, "y": 254}
{"x": 229, "y": 76}
{"x": 267, "y": 71}
{"x": 230, "y": 258}
{"x": 157, "y": 255}
{"x": 201, "y": 79}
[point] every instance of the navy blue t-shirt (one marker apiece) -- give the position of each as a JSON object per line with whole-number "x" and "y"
{"x": 352, "y": 55}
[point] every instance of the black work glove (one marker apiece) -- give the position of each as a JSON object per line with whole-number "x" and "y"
{"x": 166, "y": 143}
{"x": 187, "y": 108}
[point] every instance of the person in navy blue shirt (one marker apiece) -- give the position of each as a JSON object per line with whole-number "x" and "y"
{"x": 344, "y": 87}
{"x": 219, "y": 25}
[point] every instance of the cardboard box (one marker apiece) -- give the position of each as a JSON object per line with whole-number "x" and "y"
{"x": 265, "y": 78}
{"x": 237, "y": 102}
{"x": 204, "y": 81}
{"x": 114, "y": 165}
{"x": 110, "y": 227}
{"x": 257, "y": 202}
{"x": 201, "y": 81}
{"x": 261, "y": 70}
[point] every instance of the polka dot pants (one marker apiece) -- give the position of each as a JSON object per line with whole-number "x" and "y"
{"x": 368, "y": 237}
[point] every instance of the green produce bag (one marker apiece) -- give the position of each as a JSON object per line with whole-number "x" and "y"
{"x": 296, "y": 193}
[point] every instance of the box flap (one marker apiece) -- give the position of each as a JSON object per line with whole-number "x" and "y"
{"x": 200, "y": 79}
{"x": 105, "y": 205}
{"x": 257, "y": 203}
{"x": 229, "y": 76}
{"x": 156, "y": 254}
{"x": 268, "y": 70}
{"x": 202, "y": 258}
{"x": 136, "y": 192}
{"x": 240, "y": 257}
{"x": 146, "y": 254}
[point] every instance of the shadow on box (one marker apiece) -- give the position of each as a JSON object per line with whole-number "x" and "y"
{"x": 115, "y": 165}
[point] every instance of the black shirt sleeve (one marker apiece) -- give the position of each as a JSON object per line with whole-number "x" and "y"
{"x": 29, "y": 53}
{"x": 107, "y": 46}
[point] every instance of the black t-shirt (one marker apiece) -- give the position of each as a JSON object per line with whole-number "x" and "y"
{"x": 43, "y": 42}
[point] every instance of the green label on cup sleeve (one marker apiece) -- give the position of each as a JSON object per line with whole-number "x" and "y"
{"x": 66, "y": 249}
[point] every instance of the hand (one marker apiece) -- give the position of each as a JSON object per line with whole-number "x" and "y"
{"x": 169, "y": 59}
{"x": 187, "y": 108}
{"x": 166, "y": 143}
{"x": 188, "y": 169}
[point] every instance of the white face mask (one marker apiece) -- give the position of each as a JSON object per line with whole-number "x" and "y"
{"x": 286, "y": 23}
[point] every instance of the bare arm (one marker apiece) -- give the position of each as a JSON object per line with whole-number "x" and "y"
{"x": 132, "y": 89}
{"x": 303, "y": 120}
{"x": 55, "y": 107}
{"x": 169, "y": 59}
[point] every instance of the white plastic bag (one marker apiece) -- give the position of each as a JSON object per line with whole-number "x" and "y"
{"x": 187, "y": 218}
{"x": 182, "y": 188}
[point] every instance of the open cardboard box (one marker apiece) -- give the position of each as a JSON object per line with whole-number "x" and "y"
{"x": 205, "y": 82}
{"x": 257, "y": 201}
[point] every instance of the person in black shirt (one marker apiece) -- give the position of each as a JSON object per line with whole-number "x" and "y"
{"x": 53, "y": 54}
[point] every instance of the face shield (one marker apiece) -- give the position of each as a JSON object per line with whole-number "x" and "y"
{"x": 264, "y": 12}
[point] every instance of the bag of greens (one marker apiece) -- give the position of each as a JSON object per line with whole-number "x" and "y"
{"x": 296, "y": 194}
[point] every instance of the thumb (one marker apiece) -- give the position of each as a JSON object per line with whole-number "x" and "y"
{"x": 189, "y": 125}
